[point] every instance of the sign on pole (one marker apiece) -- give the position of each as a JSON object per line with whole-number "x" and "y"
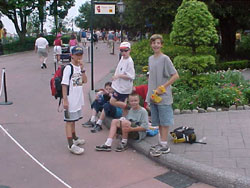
{"x": 104, "y": 8}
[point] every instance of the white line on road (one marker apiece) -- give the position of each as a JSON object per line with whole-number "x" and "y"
{"x": 33, "y": 158}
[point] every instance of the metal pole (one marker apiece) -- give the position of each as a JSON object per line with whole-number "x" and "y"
{"x": 121, "y": 20}
{"x": 5, "y": 90}
{"x": 92, "y": 59}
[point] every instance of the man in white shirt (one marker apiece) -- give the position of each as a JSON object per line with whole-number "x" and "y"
{"x": 42, "y": 48}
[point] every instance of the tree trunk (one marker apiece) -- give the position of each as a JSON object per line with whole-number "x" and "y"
{"x": 228, "y": 29}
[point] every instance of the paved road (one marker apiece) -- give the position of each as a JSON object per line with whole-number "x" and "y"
{"x": 33, "y": 121}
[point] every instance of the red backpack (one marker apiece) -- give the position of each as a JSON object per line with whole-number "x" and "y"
{"x": 55, "y": 82}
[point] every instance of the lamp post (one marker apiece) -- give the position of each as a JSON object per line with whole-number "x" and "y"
{"x": 121, "y": 9}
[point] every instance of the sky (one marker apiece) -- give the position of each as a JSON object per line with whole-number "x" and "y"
{"x": 73, "y": 12}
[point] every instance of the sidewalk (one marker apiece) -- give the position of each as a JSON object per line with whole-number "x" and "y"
{"x": 224, "y": 161}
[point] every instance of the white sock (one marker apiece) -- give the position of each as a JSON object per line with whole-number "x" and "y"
{"x": 99, "y": 122}
{"x": 164, "y": 143}
{"x": 92, "y": 119}
{"x": 109, "y": 142}
{"x": 159, "y": 138}
{"x": 125, "y": 141}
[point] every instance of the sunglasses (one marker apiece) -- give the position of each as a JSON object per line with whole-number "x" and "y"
{"x": 123, "y": 50}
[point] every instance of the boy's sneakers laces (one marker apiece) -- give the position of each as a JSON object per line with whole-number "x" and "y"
{"x": 88, "y": 124}
{"x": 159, "y": 150}
{"x": 76, "y": 149}
{"x": 103, "y": 148}
{"x": 122, "y": 147}
{"x": 79, "y": 141}
{"x": 96, "y": 128}
{"x": 153, "y": 147}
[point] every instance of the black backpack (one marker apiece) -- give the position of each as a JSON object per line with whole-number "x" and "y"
{"x": 184, "y": 135}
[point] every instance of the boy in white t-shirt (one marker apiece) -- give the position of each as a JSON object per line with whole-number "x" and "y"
{"x": 42, "y": 48}
{"x": 123, "y": 78}
{"x": 73, "y": 98}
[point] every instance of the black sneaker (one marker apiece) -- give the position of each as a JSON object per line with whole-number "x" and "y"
{"x": 44, "y": 65}
{"x": 41, "y": 66}
{"x": 96, "y": 128}
{"x": 103, "y": 148}
{"x": 122, "y": 147}
{"x": 88, "y": 124}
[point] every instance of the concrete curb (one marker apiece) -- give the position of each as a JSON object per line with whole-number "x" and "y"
{"x": 201, "y": 172}
{"x": 204, "y": 173}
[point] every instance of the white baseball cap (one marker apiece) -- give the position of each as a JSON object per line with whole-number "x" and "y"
{"x": 125, "y": 45}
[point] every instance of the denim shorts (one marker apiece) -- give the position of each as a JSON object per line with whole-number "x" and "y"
{"x": 162, "y": 115}
{"x": 119, "y": 96}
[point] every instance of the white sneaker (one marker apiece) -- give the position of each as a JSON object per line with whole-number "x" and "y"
{"x": 76, "y": 149}
{"x": 79, "y": 141}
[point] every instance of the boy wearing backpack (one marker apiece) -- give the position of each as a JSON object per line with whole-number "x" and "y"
{"x": 73, "y": 98}
{"x": 162, "y": 74}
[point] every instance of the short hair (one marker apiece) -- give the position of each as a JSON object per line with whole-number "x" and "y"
{"x": 134, "y": 94}
{"x": 40, "y": 34}
{"x": 156, "y": 36}
{"x": 108, "y": 84}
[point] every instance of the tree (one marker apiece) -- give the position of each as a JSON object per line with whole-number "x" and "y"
{"x": 60, "y": 8}
{"x": 194, "y": 26}
{"x": 33, "y": 24}
{"x": 18, "y": 11}
{"x": 232, "y": 15}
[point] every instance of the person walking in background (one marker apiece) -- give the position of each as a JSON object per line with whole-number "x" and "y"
{"x": 42, "y": 48}
{"x": 58, "y": 47}
{"x": 123, "y": 78}
{"x": 73, "y": 99}
{"x": 83, "y": 38}
{"x": 133, "y": 126}
{"x": 162, "y": 74}
{"x": 72, "y": 42}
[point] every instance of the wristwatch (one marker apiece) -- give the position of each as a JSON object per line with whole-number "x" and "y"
{"x": 83, "y": 71}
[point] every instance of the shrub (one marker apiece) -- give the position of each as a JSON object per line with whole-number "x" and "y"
{"x": 194, "y": 26}
{"x": 241, "y": 64}
{"x": 195, "y": 64}
{"x": 18, "y": 46}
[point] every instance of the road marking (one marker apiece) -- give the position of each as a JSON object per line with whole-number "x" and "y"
{"x": 33, "y": 158}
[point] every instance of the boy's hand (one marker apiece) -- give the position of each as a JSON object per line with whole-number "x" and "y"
{"x": 126, "y": 128}
{"x": 115, "y": 77}
{"x": 160, "y": 90}
{"x": 65, "y": 104}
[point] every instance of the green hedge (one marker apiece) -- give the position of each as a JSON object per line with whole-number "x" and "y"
{"x": 241, "y": 64}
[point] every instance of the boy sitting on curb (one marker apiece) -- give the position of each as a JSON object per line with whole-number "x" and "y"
{"x": 134, "y": 126}
{"x": 102, "y": 97}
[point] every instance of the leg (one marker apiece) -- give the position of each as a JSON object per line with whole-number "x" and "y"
{"x": 117, "y": 103}
{"x": 125, "y": 125}
{"x": 112, "y": 132}
{"x": 70, "y": 127}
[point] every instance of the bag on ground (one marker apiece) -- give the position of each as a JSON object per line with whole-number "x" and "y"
{"x": 183, "y": 135}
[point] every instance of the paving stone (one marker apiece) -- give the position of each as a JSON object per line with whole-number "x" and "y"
{"x": 221, "y": 154}
{"x": 239, "y": 153}
{"x": 243, "y": 162}
{"x": 224, "y": 162}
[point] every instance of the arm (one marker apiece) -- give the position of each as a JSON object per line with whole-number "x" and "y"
{"x": 173, "y": 78}
{"x": 84, "y": 76}
{"x": 65, "y": 98}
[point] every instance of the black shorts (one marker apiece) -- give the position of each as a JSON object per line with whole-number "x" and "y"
{"x": 119, "y": 96}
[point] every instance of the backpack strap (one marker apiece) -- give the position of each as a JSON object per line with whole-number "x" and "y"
{"x": 70, "y": 76}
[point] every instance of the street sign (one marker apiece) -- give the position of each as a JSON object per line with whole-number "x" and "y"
{"x": 104, "y": 8}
